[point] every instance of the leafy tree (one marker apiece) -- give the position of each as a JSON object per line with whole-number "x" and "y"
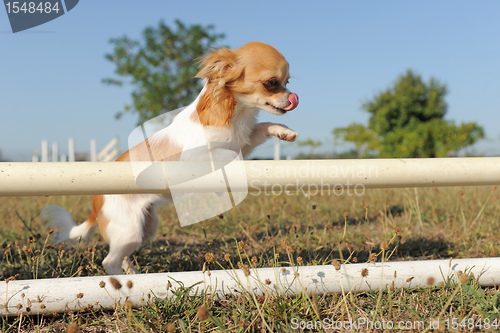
{"x": 311, "y": 144}
{"x": 161, "y": 67}
{"x": 407, "y": 121}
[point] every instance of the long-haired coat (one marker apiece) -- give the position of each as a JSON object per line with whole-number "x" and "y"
{"x": 238, "y": 83}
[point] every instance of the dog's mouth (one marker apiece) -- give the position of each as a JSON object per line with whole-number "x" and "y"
{"x": 279, "y": 110}
{"x": 293, "y": 100}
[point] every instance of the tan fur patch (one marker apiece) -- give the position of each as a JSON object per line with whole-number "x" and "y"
{"x": 97, "y": 217}
{"x": 153, "y": 149}
{"x": 103, "y": 225}
{"x": 215, "y": 107}
{"x": 97, "y": 202}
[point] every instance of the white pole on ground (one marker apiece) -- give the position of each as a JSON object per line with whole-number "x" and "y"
{"x": 321, "y": 176}
{"x": 44, "y": 154}
{"x": 71, "y": 150}
{"x": 73, "y": 294}
{"x": 93, "y": 151}
{"x": 55, "y": 152}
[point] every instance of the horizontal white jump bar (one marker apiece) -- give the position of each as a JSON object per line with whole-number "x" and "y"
{"x": 73, "y": 294}
{"x": 23, "y": 179}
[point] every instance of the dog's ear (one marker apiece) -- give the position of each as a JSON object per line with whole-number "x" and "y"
{"x": 220, "y": 65}
{"x": 217, "y": 104}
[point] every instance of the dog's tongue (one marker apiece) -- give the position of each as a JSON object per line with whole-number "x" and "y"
{"x": 294, "y": 101}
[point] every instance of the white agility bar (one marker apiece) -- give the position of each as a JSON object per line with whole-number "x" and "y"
{"x": 24, "y": 178}
{"x": 47, "y": 296}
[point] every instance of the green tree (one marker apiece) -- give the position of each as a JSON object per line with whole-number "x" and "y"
{"x": 407, "y": 120}
{"x": 312, "y": 144}
{"x": 161, "y": 67}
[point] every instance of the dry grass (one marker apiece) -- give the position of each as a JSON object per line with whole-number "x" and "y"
{"x": 265, "y": 231}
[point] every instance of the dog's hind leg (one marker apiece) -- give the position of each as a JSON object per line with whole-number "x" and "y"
{"x": 117, "y": 261}
{"x": 124, "y": 233}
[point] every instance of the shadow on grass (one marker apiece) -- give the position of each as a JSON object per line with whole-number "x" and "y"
{"x": 157, "y": 257}
{"x": 175, "y": 255}
{"x": 392, "y": 211}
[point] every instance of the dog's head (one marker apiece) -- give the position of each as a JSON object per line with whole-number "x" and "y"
{"x": 254, "y": 76}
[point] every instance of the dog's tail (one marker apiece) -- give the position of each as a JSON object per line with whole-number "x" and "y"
{"x": 65, "y": 228}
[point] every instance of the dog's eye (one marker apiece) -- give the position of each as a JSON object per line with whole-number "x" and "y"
{"x": 272, "y": 83}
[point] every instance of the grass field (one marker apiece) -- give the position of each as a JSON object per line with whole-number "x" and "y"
{"x": 265, "y": 231}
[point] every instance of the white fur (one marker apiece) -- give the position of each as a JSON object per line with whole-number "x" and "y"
{"x": 126, "y": 228}
{"x": 65, "y": 228}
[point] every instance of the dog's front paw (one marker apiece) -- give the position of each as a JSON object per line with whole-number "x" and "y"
{"x": 288, "y": 135}
{"x": 283, "y": 133}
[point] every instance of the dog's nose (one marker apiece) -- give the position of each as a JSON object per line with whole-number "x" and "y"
{"x": 294, "y": 101}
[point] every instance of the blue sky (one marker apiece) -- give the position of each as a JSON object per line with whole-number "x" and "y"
{"x": 341, "y": 54}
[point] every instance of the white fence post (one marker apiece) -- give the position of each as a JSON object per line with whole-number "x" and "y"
{"x": 55, "y": 152}
{"x": 71, "y": 150}
{"x": 109, "y": 153}
{"x": 93, "y": 151}
{"x": 277, "y": 153}
{"x": 45, "y": 151}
